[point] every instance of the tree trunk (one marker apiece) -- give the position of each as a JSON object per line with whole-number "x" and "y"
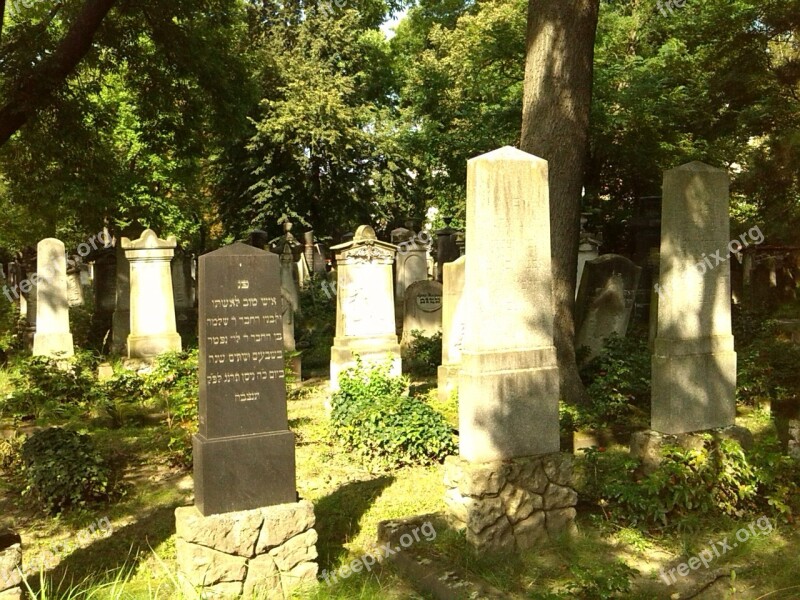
{"x": 37, "y": 88}
{"x": 555, "y": 126}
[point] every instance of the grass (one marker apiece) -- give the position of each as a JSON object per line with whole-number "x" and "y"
{"x": 138, "y": 559}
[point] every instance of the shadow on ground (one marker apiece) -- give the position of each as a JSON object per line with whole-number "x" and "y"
{"x": 339, "y": 513}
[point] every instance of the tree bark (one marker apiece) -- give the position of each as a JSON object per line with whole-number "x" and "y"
{"x": 37, "y": 88}
{"x": 555, "y": 126}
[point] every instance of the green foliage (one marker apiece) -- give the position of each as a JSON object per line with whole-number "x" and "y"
{"x": 720, "y": 479}
{"x": 424, "y": 353}
{"x": 63, "y": 470}
{"x": 374, "y": 416}
{"x": 315, "y": 322}
{"x": 46, "y": 387}
{"x": 11, "y": 454}
{"x": 173, "y": 383}
{"x": 768, "y": 368}
{"x": 9, "y": 317}
{"x": 603, "y": 582}
{"x": 618, "y": 383}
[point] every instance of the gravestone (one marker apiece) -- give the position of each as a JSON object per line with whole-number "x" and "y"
{"x": 121, "y": 323}
{"x": 74, "y": 285}
{"x": 694, "y": 363}
{"x": 423, "y": 310}
{"x": 447, "y": 248}
{"x": 290, "y": 303}
{"x": 248, "y": 534}
{"x": 52, "y": 337}
{"x": 452, "y": 327}
{"x": 244, "y": 453}
{"x": 365, "y": 319}
{"x": 509, "y": 489}
{"x": 153, "y": 325}
{"x": 605, "y": 300}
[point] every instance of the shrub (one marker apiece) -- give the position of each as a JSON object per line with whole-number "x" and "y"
{"x": 11, "y": 455}
{"x": 617, "y": 381}
{"x": 173, "y": 383}
{"x": 9, "y": 319}
{"x": 721, "y": 479}
{"x": 45, "y": 387}
{"x": 62, "y": 470}
{"x": 424, "y": 353}
{"x": 315, "y": 322}
{"x": 768, "y": 369}
{"x": 374, "y": 416}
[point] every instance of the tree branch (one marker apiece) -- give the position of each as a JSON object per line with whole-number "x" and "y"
{"x": 37, "y": 89}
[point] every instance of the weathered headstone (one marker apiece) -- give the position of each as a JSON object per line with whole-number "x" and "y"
{"x": 694, "y": 364}
{"x": 52, "y": 337}
{"x": 247, "y": 534}
{"x": 365, "y": 323}
{"x": 74, "y": 285}
{"x": 152, "y": 304}
{"x": 605, "y": 300}
{"x": 423, "y": 310}
{"x": 121, "y": 324}
{"x": 411, "y": 263}
{"x": 508, "y": 384}
{"x": 452, "y": 327}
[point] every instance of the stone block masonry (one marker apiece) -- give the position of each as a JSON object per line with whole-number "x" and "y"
{"x": 10, "y": 566}
{"x": 269, "y": 552}
{"x": 512, "y": 505}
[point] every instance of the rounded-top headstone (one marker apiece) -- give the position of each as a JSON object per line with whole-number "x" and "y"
{"x": 365, "y": 232}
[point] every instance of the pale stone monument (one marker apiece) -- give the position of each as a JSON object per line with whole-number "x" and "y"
{"x": 694, "y": 363}
{"x": 52, "y": 337}
{"x": 152, "y": 305}
{"x": 452, "y": 327}
{"x": 606, "y": 296}
{"x": 411, "y": 263}
{"x": 423, "y": 310}
{"x": 509, "y": 466}
{"x": 365, "y": 320}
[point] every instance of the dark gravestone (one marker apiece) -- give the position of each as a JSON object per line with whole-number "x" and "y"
{"x": 605, "y": 300}
{"x": 244, "y": 452}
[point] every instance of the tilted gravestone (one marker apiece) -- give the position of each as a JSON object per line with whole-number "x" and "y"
{"x": 605, "y": 300}
{"x": 247, "y": 533}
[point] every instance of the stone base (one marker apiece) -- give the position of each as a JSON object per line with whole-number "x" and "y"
{"x": 373, "y": 351}
{"x": 150, "y": 346}
{"x": 512, "y": 505}
{"x": 267, "y": 552}
{"x": 53, "y": 345}
{"x": 10, "y": 566}
{"x": 646, "y": 446}
{"x": 244, "y": 472}
{"x": 508, "y": 404}
{"x": 693, "y": 391}
{"x": 447, "y": 377}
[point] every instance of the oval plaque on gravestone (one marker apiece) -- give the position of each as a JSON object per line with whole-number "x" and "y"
{"x": 429, "y": 302}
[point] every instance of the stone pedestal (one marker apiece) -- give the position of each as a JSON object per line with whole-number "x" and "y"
{"x": 267, "y": 552}
{"x": 512, "y": 505}
{"x": 10, "y": 566}
{"x": 153, "y": 325}
{"x": 452, "y": 327}
{"x": 52, "y": 337}
{"x": 694, "y": 364}
{"x": 365, "y": 320}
